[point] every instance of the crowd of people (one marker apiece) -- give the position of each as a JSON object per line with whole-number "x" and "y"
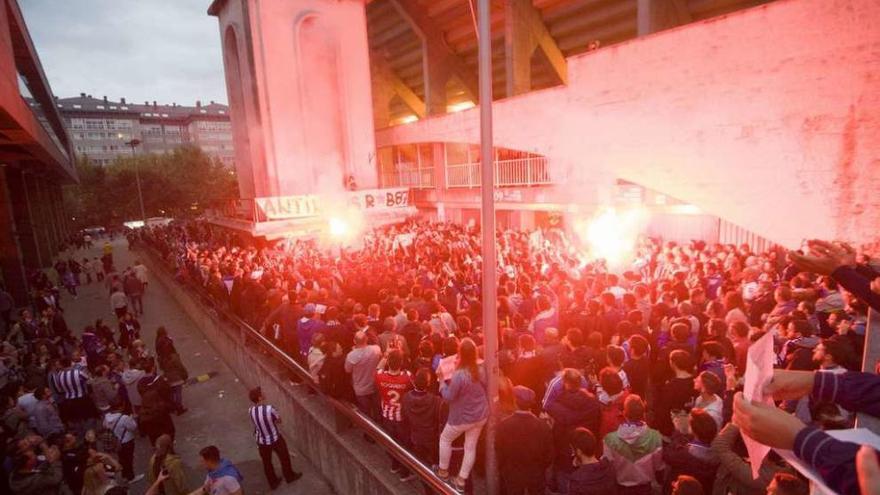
{"x": 611, "y": 382}
{"x": 73, "y": 404}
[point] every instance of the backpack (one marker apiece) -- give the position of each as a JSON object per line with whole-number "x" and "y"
{"x": 153, "y": 405}
{"x": 107, "y": 437}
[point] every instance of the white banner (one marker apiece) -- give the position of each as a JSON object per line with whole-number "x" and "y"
{"x": 280, "y": 207}
{"x": 380, "y": 199}
{"x": 370, "y": 200}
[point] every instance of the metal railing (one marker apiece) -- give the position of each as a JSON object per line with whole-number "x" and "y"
{"x": 409, "y": 175}
{"x": 531, "y": 171}
{"x": 343, "y": 410}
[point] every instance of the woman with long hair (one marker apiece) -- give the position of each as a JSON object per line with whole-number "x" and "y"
{"x": 164, "y": 459}
{"x": 98, "y": 476}
{"x": 468, "y": 402}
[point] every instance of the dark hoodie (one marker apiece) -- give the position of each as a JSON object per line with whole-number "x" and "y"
{"x": 686, "y": 456}
{"x": 593, "y": 479}
{"x": 572, "y": 409}
{"x": 44, "y": 480}
{"x": 799, "y": 353}
{"x": 420, "y": 411}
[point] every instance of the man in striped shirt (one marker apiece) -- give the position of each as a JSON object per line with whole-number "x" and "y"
{"x": 71, "y": 383}
{"x": 269, "y": 439}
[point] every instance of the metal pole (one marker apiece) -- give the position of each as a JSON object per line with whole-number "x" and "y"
{"x": 137, "y": 178}
{"x": 487, "y": 189}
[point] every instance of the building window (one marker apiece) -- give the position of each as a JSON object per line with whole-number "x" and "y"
{"x": 112, "y": 107}
{"x": 100, "y": 107}
{"x": 164, "y": 114}
{"x": 124, "y": 108}
{"x": 77, "y": 106}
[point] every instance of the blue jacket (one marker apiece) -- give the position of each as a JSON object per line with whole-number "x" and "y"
{"x": 467, "y": 399}
{"x": 226, "y": 468}
{"x": 833, "y": 459}
{"x": 858, "y": 284}
{"x": 305, "y": 329}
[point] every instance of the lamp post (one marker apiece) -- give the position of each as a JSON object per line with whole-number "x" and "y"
{"x": 137, "y": 177}
{"x": 487, "y": 189}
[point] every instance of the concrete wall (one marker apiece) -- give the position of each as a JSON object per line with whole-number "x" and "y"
{"x": 305, "y": 64}
{"x": 348, "y": 463}
{"x": 247, "y": 128}
{"x": 768, "y": 117}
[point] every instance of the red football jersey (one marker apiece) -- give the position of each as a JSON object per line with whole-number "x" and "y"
{"x": 392, "y": 388}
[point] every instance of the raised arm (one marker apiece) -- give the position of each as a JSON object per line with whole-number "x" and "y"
{"x": 833, "y": 459}
{"x": 853, "y": 390}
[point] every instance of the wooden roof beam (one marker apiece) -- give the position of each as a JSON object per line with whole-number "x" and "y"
{"x": 440, "y": 61}
{"x": 524, "y": 31}
{"x": 391, "y": 84}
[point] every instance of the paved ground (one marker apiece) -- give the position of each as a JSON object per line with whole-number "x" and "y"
{"x": 217, "y": 408}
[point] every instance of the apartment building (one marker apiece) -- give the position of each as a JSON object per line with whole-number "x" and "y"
{"x": 100, "y": 128}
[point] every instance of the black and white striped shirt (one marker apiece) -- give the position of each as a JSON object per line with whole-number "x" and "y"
{"x": 71, "y": 383}
{"x": 264, "y": 418}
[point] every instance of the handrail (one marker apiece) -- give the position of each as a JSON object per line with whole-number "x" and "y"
{"x": 348, "y": 410}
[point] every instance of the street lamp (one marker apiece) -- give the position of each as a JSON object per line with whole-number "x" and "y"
{"x": 137, "y": 177}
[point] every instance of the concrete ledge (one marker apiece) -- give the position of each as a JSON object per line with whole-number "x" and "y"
{"x": 348, "y": 463}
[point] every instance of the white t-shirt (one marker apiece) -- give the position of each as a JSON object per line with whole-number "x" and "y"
{"x": 28, "y": 403}
{"x": 224, "y": 485}
{"x": 714, "y": 406}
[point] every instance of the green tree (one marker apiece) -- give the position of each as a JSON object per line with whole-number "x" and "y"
{"x": 181, "y": 183}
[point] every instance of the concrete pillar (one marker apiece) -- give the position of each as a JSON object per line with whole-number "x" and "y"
{"x": 62, "y": 218}
{"x": 11, "y": 262}
{"x": 383, "y": 90}
{"x": 37, "y": 219}
{"x": 519, "y": 45}
{"x": 27, "y": 238}
{"x": 298, "y": 77}
{"x": 436, "y": 77}
{"x": 439, "y": 150}
{"x": 439, "y": 61}
{"x": 50, "y": 218}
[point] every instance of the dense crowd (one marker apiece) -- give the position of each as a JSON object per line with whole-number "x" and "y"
{"x": 73, "y": 404}
{"x": 611, "y": 382}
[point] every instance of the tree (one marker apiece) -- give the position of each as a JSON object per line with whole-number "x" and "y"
{"x": 181, "y": 183}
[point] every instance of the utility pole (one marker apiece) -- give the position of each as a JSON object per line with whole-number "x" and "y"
{"x": 490, "y": 265}
{"x": 137, "y": 177}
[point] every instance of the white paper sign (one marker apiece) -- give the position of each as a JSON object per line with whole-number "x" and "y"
{"x": 759, "y": 372}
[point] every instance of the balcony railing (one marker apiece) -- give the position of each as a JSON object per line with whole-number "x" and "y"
{"x": 409, "y": 175}
{"x": 530, "y": 171}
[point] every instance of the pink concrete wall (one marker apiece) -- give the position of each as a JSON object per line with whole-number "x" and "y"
{"x": 250, "y": 158}
{"x": 306, "y": 110}
{"x": 313, "y": 72}
{"x": 768, "y": 117}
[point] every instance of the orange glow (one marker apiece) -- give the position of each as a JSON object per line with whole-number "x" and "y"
{"x": 344, "y": 225}
{"x": 338, "y": 227}
{"x": 458, "y": 107}
{"x": 612, "y": 235}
